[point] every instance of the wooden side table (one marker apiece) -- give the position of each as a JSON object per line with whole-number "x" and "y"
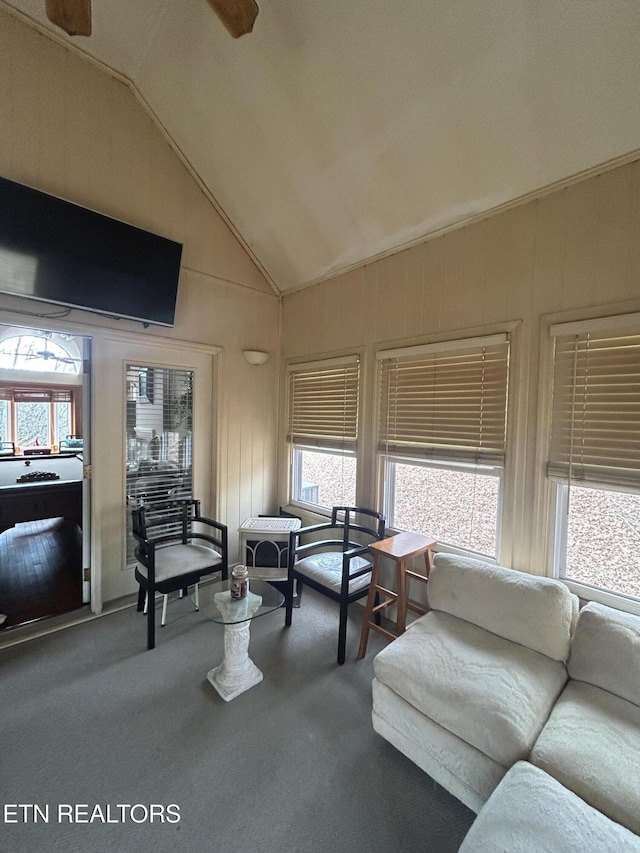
{"x": 399, "y": 548}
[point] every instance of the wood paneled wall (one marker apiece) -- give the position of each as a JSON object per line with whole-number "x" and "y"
{"x": 575, "y": 251}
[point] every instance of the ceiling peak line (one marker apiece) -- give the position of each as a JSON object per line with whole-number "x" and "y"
{"x": 472, "y": 219}
{"x": 221, "y": 278}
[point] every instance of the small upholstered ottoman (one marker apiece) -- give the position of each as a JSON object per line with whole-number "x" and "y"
{"x": 530, "y": 812}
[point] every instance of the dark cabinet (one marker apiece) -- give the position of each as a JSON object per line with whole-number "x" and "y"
{"x": 34, "y": 501}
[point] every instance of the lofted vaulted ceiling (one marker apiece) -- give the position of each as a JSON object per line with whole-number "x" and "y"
{"x": 339, "y": 130}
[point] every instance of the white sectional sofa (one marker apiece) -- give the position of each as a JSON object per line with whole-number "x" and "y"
{"x": 591, "y": 742}
{"x": 530, "y": 812}
{"x": 466, "y": 690}
{"x": 492, "y": 681}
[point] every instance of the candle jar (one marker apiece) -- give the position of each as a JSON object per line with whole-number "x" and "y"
{"x": 239, "y": 582}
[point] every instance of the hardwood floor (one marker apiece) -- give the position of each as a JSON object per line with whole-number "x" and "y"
{"x": 40, "y": 570}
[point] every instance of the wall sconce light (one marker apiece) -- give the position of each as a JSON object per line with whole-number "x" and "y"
{"x": 255, "y": 356}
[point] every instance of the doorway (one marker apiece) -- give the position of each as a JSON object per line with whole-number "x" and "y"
{"x": 44, "y": 508}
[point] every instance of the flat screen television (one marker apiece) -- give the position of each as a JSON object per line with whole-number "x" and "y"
{"x": 55, "y": 251}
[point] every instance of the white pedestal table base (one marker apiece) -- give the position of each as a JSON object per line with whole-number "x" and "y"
{"x": 237, "y": 672}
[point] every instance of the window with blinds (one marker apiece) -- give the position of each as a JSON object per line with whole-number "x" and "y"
{"x": 594, "y": 454}
{"x": 31, "y": 416}
{"x": 445, "y": 401}
{"x": 159, "y": 406}
{"x": 595, "y": 434}
{"x": 442, "y": 439}
{"x": 322, "y": 429}
{"x": 28, "y": 395}
{"x": 323, "y": 404}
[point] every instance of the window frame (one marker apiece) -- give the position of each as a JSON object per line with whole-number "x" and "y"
{"x": 329, "y": 446}
{"x": 387, "y": 496}
{"x": 45, "y": 338}
{"x": 296, "y": 475}
{"x": 558, "y": 539}
{"x": 12, "y": 389}
{"x": 386, "y": 488}
{"x": 608, "y": 324}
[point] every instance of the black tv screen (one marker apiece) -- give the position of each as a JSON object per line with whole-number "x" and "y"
{"x": 55, "y": 251}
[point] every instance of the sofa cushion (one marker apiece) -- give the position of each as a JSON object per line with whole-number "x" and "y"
{"x": 591, "y": 745}
{"x": 606, "y": 651}
{"x": 530, "y": 812}
{"x": 534, "y": 611}
{"x": 493, "y": 694}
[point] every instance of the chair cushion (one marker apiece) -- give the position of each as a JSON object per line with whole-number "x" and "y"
{"x": 176, "y": 560}
{"x": 530, "y": 812}
{"x": 326, "y": 569}
{"x": 536, "y": 612}
{"x": 591, "y": 745}
{"x": 605, "y": 651}
{"x": 491, "y": 693}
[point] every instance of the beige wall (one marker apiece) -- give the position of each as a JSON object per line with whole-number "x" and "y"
{"x": 575, "y": 252}
{"x": 70, "y": 129}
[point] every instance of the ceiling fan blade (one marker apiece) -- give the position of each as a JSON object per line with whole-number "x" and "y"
{"x": 238, "y": 16}
{"x": 72, "y": 16}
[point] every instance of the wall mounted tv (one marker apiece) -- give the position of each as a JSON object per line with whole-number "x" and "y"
{"x": 55, "y": 251}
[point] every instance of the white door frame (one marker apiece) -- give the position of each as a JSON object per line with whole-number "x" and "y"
{"x": 108, "y": 378}
{"x": 113, "y": 351}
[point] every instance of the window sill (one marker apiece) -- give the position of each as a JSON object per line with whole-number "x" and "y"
{"x": 610, "y": 599}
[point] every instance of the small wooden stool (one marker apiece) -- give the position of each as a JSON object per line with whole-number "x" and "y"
{"x": 400, "y": 548}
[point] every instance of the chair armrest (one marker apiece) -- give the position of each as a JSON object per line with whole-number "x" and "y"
{"x": 295, "y": 540}
{"x": 219, "y": 541}
{"x": 203, "y": 520}
{"x": 313, "y": 528}
{"x": 314, "y": 546}
{"x": 150, "y": 545}
{"x": 358, "y": 551}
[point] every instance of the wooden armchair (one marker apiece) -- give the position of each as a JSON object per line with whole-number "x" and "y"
{"x": 176, "y": 547}
{"x": 338, "y": 566}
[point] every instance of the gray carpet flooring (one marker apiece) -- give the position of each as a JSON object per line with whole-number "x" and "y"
{"x": 89, "y": 717}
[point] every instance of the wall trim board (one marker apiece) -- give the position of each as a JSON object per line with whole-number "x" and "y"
{"x": 520, "y": 201}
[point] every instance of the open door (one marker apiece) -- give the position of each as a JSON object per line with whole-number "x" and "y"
{"x": 45, "y": 506}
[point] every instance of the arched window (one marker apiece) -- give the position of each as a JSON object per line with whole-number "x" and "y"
{"x": 38, "y": 410}
{"x": 46, "y": 353}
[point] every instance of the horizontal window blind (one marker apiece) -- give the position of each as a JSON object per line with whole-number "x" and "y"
{"x": 159, "y": 423}
{"x": 595, "y": 433}
{"x": 36, "y": 395}
{"x": 323, "y": 404}
{"x": 446, "y": 403}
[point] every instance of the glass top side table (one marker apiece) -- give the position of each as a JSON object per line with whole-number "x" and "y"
{"x": 237, "y": 672}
